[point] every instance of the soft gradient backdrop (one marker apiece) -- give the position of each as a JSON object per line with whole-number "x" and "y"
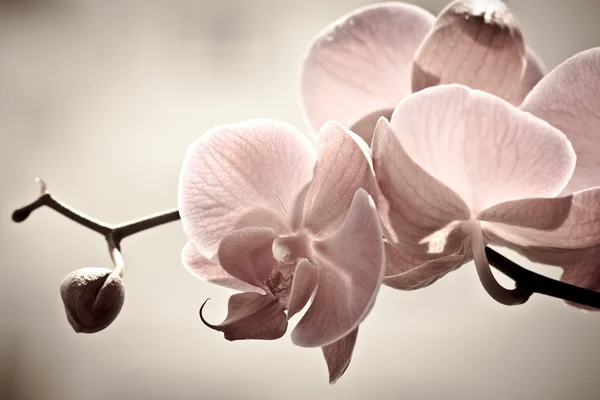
{"x": 102, "y": 98}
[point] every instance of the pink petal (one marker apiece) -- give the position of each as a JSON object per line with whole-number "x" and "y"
{"x": 362, "y": 63}
{"x": 412, "y": 204}
{"x": 252, "y": 316}
{"x": 569, "y": 98}
{"x": 246, "y": 255}
{"x": 482, "y": 147}
{"x": 351, "y": 266}
{"x": 536, "y": 213}
{"x": 365, "y": 127}
{"x": 534, "y": 72}
{"x": 211, "y": 271}
{"x": 580, "y": 228}
{"x": 406, "y": 272}
{"x": 234, "y": 169}
{"x": 585, "y": 274}
{"x": 305, "y": 281}
{"x": 343, "y": 166}
{"x": 475, "y": 43}
{"x": 338, "y": 355}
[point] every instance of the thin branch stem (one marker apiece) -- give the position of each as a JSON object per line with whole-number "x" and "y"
{"x": 113, "y": 233}
{"x": 142, "y": 224}
{"x": 526, "y": 281}
{"x": 115, "y": 254}
{"x": 536, "y": 283}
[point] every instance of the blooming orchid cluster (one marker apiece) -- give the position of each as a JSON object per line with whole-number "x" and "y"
{"x": 435, "y": 137}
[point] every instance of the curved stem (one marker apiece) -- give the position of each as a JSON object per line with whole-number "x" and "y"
{"x": 536, "y": 283}
{"x": 508, "y": 297}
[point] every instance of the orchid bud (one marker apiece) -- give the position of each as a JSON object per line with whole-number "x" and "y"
{"x": 93, "y": 298}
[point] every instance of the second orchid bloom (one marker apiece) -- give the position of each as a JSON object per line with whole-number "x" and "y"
{"x": 434, "y": 177}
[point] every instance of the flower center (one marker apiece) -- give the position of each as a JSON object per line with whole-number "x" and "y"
{"x": 280, "y": 280}
{"x": 287, "y": 250}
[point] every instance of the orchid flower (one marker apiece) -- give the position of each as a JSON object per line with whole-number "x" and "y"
{"x": 268, "y": 214}
{"x": 569, "y": 99}
{"x": 361, "y": 66}
{"x": 459, "y": 168}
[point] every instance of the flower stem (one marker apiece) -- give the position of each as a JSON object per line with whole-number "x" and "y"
{"x": 536, "y": 283}
{"x": 526, "y": 281}
{"x": 113, "y": 233}
{"x": 509, "y": 297}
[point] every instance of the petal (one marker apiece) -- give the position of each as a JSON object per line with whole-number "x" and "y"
{"x": 211, "y": 271}
{"x": 412, "y": 204}
{"x": 252, "y": 316}
{"x": 536, "y": 213}
{"x": 351, "y": 266}
{"x": 569, "y": 99}
{"x": 585, "y": 274}
{"x": 343, "y": 166}
{"x": 305, "y": 281}
{"x": 475, "y": 43}
{"x": 246, "y": 255}
{"x": 234, "y": 169}
{"x": 482, "y": 147}
{"x": 580, "y": 229}
{"x": 365, "y": 127}
{"x": 406, "y": 272}
{"x": 338, "y": 355}
{"x": 534, "y": 72}
{"x": 362, "y": 63}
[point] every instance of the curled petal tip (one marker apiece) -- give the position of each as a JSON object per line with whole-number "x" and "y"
{"x": 211, "y": 326}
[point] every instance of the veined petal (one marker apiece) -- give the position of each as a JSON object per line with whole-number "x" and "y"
{"x": 305, "y": 281}
{"x": 252, "y": 316}
{"x": 412, "y": 204}
{"x": 351, "y": 265}
{"x": 537, "y": 213}
{"x": 579, "y": 229}
{"x": 482, "y": 147}
{"x": 475, "y": 43}
{"x": 405, "y": 271}
{"x": 211, "y": 271}
{"x": 246, "y": 255}
{"x": 362, "y": 63}
{"x": 365, "y": 127}
{"x": 569, "y": 99}
{"x": 534, "y": 72}
{"x": 343, "y": 166}
{"x": 234, "y": 169}
{"x": 338, "y": 355}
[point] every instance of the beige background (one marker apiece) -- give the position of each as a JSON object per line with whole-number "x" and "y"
{"x": 102, "y": 98}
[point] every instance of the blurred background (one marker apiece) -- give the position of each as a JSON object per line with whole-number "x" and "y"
{"x": 102, "y": 98}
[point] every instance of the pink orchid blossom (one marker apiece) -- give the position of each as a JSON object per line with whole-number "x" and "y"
{"x": 459, "y": 168}
{"x": 361, "y": 66}
{"x": 569, "y": 99}
{"x": 268, "y": 214}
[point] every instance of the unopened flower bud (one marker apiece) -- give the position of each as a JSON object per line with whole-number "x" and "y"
{"x": 93, "y": 298}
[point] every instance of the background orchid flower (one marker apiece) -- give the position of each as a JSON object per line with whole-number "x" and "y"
{"x": 455, "y": 165}
{"x": 269, "y": 214}
{"x": 363, "y": 64}
{"x": 569, "y": 99}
